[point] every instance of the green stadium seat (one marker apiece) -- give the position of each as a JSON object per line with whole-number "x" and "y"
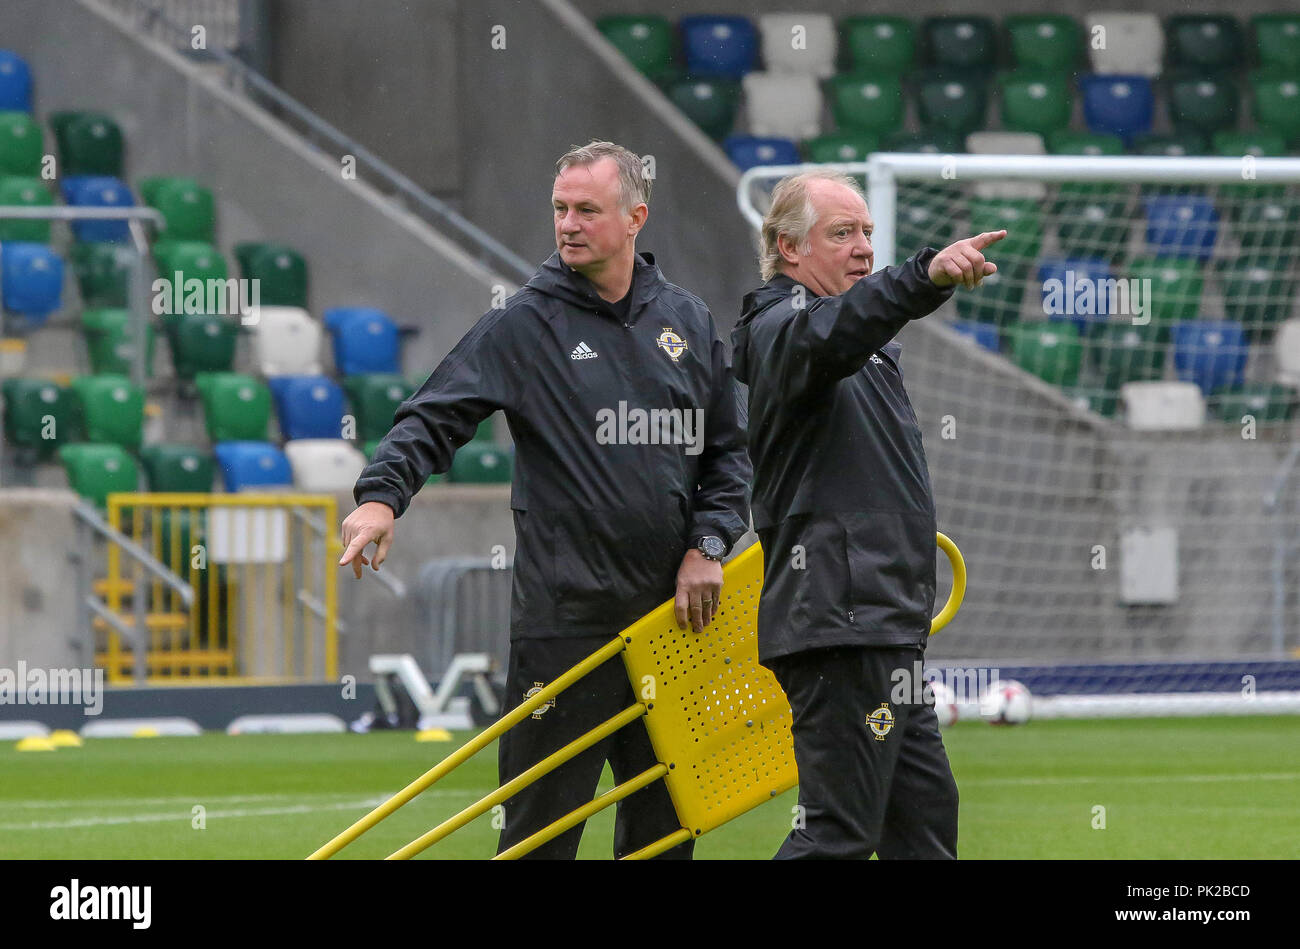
{"x": 24, "y": 192}
{"x": 1257, "y": 293}
{"x": 201, "y": 342}
{"x": 103, "y": 272}
{"x": 951, "y": 102}
{"x": 925, "y": 220}
{"x": 1044, "y": 41}
{"x": 1122, "y": 351}
{"x": 183, "y": 468}
{"x": 1097, "y": 399}
{"x": 1051, "y": 351}
{"x": 1277, "y": 104}
{"x": 374, "y": 397}
{"x": 280, "y": 270}
{"x": 929, "y": 141}
{"x": 866, "y": 102}
{"x": 89, "y": 143}
{"x": 1267, "y": 227}
{"x": 1277, "y": 41}
{"x": 1176, "y": 288}
{"x": 1021, "y": 218}
{"x": 1203, "y": 104}
{"x": 478, "y": 462}
{"x": 1067, "y": 142}
{"x": 193, "y": 260}
{"x": 40, "y": 414}
{"x": 1093, "y": 226}
{"x": 1034, "y": 102}
{"x": 236, "y": 407}
{"x": 840, "y": 147}
{"x": 110, "y": 341}
{"x": 1231, "y": 143}
{"x": 878, "y": 45}
{"x": 999, "y": 297}
{"x": 1203, "y": 41}
{"x": 1265, "y": 402}
{"x": 709, "y": 103}
{"x": 964, "y": 42}
{"x": 186, "y": 206}
{"x": 647, "y": 41}
{"x": 96, "y": 470}
{"x": 1180, "y": 144}
{"x": 21, "y": 145}
{"x": 112, "y": 409}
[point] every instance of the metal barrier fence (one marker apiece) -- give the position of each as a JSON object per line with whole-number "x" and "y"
{"x": 261, "y": 569}
{"x": 467, "y": 601}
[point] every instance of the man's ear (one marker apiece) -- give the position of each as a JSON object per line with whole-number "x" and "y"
{"x": 787, "y": 248}
{"x": 638, "y": 216}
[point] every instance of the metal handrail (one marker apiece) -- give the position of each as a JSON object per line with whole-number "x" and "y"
{"x": 91, "y": 516}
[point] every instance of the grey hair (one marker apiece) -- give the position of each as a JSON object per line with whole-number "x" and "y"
{"x": 633, "y": 180}
{"x": 792, "y": 214}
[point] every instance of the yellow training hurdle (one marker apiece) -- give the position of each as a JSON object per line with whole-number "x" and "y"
{"x": 262, "y": 571}
{"x": 718, "y": 721}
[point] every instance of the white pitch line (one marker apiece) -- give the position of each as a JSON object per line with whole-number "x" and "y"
{"x": 1141, "y": 779}
{"x": 185, "y": 816}
{"x": 189, "y": 799}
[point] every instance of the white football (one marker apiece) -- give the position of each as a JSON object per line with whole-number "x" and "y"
{"x": 1006, "y": 702}
{"x": 945, "y": 702}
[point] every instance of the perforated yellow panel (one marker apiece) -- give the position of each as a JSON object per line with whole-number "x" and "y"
{"x": 716, "y": 717}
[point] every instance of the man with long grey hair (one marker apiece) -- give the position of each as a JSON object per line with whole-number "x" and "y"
{"x": 843, "y": 506}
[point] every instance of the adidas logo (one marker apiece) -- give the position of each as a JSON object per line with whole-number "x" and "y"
{"x": 877, "y": 360}
{"x": 583, "y": 351}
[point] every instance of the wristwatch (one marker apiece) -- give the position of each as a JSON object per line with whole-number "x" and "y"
{"x": 712, "y": 547}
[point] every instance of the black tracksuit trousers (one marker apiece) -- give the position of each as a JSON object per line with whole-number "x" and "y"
{"x": 886, "y": 789}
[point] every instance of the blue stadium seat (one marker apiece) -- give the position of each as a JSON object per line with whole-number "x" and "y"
{"x": 307, "y": 406}
{"x": 983, "y": 334}
{"x": 365, "y": 340}
{"x": 15, "y": 83}
{"x": 32, "y": 279}
{"x": 1182, "y": 226}
{"x": 252, "y": 464}
{"x": 747, "y": 151}
{"x": 98, "y": 191}
{"x": 1117, "y": 105}
{"x": 719, "y": 45}
{"x": 1078, "y": 279}
{"x": 1210, "y": 353}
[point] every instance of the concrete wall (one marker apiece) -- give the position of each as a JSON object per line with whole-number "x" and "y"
{"x": 38, "y": 614}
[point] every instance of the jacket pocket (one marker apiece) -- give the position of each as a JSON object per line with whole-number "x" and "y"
{"x": 891, "y": 561}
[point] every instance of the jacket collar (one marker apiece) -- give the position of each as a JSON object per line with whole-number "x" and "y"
{"x": 558, "y": 279}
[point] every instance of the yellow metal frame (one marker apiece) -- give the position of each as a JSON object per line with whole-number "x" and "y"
{"x": 718, "y": 721}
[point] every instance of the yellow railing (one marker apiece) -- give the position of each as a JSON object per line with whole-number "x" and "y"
{"x": 261, "y": 567}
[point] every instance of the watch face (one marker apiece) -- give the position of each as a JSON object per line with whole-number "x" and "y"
{"x": 712, "y": 547}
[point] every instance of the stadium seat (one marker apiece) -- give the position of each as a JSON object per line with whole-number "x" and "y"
{"x": 782, "y": 105}
{"x": 478, "y": 462}
{"x": 1023, "y": 222}
{"x": 646, "y": 40}
{"x": 15, "y": 82}
{"x": 110, "y": 341}
{"x": 286, "y": 342}
{"x": 1120, "y": 105}
{"x": 1121, "y": 351}
{"x": 250, "y": 464}
{"x": 98, "y": 191}
{"x": 24, "y": 192}
{"x": 866, "y": 103}
{"x": 1101, "y": 400}
{"x": 883, "y": 45}
{"x": 1286, "y": 352}
{"x": 95, "y": 471}
{"x": 798, "y": 43}
{"x": 40, "y": 414}
{"x": 923, "y": 223}
{"x": 1277, "y": 41}
{"x": 307, "y": 406}
{"x": 103, "y": 273}
{"x": 840, "y": 147}
{"x": 1130, "y": 43}
{"x": 999, "y": 298}
{"x": 981, "y": 334}
{"x": 1203, "y": 104}
{"x": 1181, "y": 226}
{"x": 951, "y": 102}
{"x": 1176, "y": 287}
{"x": 1163, "y": 406}
{"x": 1036, "y": 103}
{"x": 31, "y": 280}
{"x": 235, "y": 407}
{"x": 1178, "y": 145}
{"x": 374, "y": 399}
{"x": 324, "y": 465}
{"x": 112, "y": 409}
{"x": 1092, "y": 226}
{"x": 280, "y": 270}
{"x": 1268, "y": 227}
{"x": 365, "y": 340}
{"x": 182, "y": 261}
{"x": 186, "y": 206}
{"x": 182, "y": 468}
{"x": 1256, "y": 293}
{"x": 1076, "y": 289}
{"x": 1203, "y": 41}
{"x": 201, "y": 342}
{"x": 1264, "y": 402}
{"x": 1210, "y": 353}
{"x": 961, "y": 42}
{"x": 926, "y": 141}
{"x": 1231, "y": 143}
{"x": 1052, "y": 352}
{"x": 89, "y": 143}
{"x": 747, "y": 151}
{"x": 719, "y": 45}
{"x": 21, "y": 147}
{"x": 1049, "y": 42}
{"x": 1277, "y": 104}
{"x": 709, "y": 103}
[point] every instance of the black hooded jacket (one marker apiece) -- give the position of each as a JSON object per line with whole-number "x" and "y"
{"x": 629, "y": 443}
{"x": 841, "y": 495}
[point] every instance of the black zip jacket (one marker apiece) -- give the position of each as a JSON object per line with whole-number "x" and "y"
{"x": 629, "y": 443}
{"x": 841, "y": 495}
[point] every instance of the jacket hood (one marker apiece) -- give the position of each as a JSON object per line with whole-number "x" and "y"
{"x": 754, "y": 303}
{"x": 557, "y": 279}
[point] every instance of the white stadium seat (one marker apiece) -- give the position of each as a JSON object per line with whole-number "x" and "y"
{"x": 799, "y": 43}
{"x": 324, "y": 465}
{"x": 1133, "y": 43}
{"x": 783, "y": 105}
{"x": 1163, "y": 406}
{"x": 1286, "y": 350}
{"x": 286, "y": 342}
{"x": 1007, "y": 143}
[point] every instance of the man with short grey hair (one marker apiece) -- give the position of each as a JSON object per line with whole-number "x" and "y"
{"x": 631, "y": 482}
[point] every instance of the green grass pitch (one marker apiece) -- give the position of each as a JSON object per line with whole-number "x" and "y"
{"x": 1203, "y": 788}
